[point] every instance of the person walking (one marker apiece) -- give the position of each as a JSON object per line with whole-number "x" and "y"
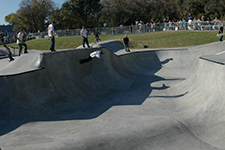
{"x": 221, "y": 32}
{"x": 97, "y": 37}
{"x": 51, "y": 34}
{"x": 20, "y": 41}
{"x": 9, "y": 54}
{"x": 126, "y": 43}
{"x": 84, "y": 36}
{"x": 92, "y": 55}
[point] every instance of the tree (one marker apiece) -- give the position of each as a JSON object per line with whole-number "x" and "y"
{"x": 117, "y": 12}
{"x": 55, "y": 16}
{"x": 13, "y": 20}
{"x": 35, "y": 15}
{"x": 77, "y": 13}
{"x": 32, "y": 14}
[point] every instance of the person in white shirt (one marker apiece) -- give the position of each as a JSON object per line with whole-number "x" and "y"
{"x": 20, "y": 42}
{"x": 5, "y": 39}
{"x": 92, "y": 55}
{"x": 84, "y": 36}
{"x": 51, "y": 35}
{"x": 190, "y": 24}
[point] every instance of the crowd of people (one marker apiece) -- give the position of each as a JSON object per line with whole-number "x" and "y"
{"x": 191, "y": 23}
{"x": 4, "y": 38}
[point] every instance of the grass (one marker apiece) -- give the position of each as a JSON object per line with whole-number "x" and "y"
{"x": 168, "y": 39}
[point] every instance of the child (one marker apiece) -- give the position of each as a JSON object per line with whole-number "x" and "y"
{"x": 9, "y": 53}
{"x": 97, "y": 37}
{"x": 126, "y": 43}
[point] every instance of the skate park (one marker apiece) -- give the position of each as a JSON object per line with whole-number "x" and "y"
{"x": 148, "y": 99}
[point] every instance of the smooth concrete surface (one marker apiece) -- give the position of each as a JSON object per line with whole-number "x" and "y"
{"x": 151, "y": 99}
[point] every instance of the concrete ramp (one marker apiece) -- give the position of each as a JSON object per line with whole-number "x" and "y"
{"x": 23, "y": 64}
{"x": 202, "y": 109}
{"x": 168, "y": 99}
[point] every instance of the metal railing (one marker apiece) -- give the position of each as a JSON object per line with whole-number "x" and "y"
{"x": 173, "y": 26}
{"x": 155, "y": 27}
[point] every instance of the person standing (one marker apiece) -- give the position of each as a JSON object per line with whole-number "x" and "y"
{"x": 126, "y": 43}
{"x": 2, "y": 39}
{"x": 9, "y": 53}
{"x": 92, "y": 55}
{"x": 216, "y": 22}
{"x": 51, "y": 34}
{"x": 105, "y": 24}
{"x": 184, "y": 24}
{"x": 20, "y": 41}
{"x": 221, "y": 32}
{"x": 84, "y": 36}
{"x": 5, "y": 39}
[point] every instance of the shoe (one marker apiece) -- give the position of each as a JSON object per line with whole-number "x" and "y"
{"x": 25, "y": 52}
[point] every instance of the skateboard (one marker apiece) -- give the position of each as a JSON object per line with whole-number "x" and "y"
{"x": 90, "y": 46}
{"x": 220, "y": 34}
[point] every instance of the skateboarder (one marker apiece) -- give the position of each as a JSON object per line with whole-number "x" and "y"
{"x": 92, "y": 55}
{"x": 21, "y": 42}
{"x": 97, "y": 37}
{"x": 221, "y": 32}
{"x": 9, "y": 53}
{"x": 84, "y": 36}
{"x": 126, "y": 43}
{"x": 51, "y": 34}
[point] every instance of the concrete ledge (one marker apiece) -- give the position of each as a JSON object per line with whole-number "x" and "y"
{"x": 218, "y": 58}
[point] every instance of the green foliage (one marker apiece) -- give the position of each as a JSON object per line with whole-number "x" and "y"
{"x": 35, "y": 15}
{"x": 76, "y": 13}
{"x": 115, "y": 12}
{"x": 32, "y": 15}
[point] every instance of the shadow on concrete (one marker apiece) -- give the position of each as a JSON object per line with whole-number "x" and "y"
{"x": 166, "y": 61}
{"x": 16, "y": 110}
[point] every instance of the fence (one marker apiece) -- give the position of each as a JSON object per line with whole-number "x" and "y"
{"x": 155, "y": 27}
{"x": 172, "y": 26}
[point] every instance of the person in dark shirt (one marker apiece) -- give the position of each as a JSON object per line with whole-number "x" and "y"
{"x": 126, "y": 43}
{"x": 221, "y": 32}
{"x": 9, "y": 53}
{"x": 97, "y": 37}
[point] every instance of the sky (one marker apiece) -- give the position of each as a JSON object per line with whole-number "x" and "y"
{"x": 11, "y": 6}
